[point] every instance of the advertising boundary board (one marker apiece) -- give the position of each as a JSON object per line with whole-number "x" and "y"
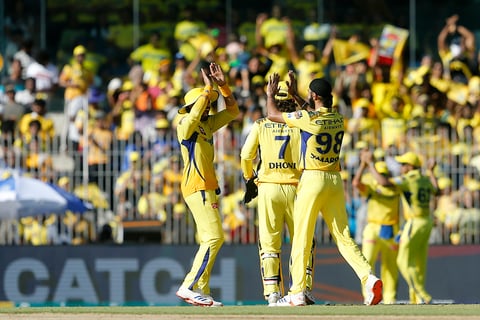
{"x": 151, "y": 274}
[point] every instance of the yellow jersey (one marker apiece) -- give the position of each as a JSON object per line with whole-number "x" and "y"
{"x": 321, "y": 138}
{"x": 278, "y": 147}
{"x": 383, "y": 203}
{"x": 417, "y": 190}
{"x": 196, "y": 140}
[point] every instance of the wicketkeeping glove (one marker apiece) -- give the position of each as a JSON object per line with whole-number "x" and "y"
{"x": 251, "y": 190}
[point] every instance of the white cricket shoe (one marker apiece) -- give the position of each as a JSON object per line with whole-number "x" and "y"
{"x": 273, "y": 298}
{"x": 309, "y": 298}
{"x": 215, "y": 303}
{"x": 373, "y": 290}
{"x": 194, "y": 298}
{"x": 292, "y": 300}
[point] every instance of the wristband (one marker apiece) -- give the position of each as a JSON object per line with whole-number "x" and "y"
{"x": 208, "y": 88}
{"x": 225, "y": 90}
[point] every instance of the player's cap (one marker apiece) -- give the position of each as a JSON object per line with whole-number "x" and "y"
{"x": 220, "y": 50}
{"x": 360, "y": 145}
{"x": 127, "y": 86}
{"x": 379, "y": 153}
{"x": 78, "y": 50}
{"x": 164, "y": 62}
{"x": 321, "y": 87}
{"x": 161, "y": 124}
{"x": 258, "y": 81}
{"x": 134, "y": 156}
{"x": 362, "y": 103}
{"x": 409, "y": 158}
{"x": 192, "y": 96}
{"x": 179, "y": 208}
{"x": 444, "y": 182}
{"x": 63, "y": 181}
{"x": 381, "y": 167}
{"x": 282, "y": 93}
{"x": 309, "y": 48}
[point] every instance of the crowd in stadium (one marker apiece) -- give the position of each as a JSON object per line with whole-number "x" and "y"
{"x": 125, "y": 153}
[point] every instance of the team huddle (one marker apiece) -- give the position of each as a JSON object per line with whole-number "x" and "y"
{"x": 292, "y": 156}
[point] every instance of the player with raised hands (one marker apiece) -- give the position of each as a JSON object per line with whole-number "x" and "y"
{"x": 199, "y": 186}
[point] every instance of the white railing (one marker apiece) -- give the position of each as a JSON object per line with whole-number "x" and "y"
{"x": 146, "y": 205}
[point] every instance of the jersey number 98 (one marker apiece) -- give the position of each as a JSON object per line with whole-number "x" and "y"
{"x": 326, "y": 142}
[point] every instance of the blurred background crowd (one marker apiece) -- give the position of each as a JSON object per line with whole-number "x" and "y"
{"x": 90, "y": 91}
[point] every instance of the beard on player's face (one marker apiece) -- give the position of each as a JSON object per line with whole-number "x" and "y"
{"x": 311, "y": 102}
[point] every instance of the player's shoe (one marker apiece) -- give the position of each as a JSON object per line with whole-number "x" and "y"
{"x": 273, "y": 298}
{"x": 309, "y": 298}
{"x": 215, "y": 303}
{"x": 194, "y": 298}
{"x": 373, "y": 290}
{"x": 292, "y": 300}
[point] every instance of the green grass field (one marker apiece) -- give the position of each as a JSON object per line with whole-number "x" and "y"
{"x": 450, "y": 311}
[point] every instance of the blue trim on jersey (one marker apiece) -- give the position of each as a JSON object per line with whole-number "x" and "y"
{"x": 303, "y": 148}
{"x": 408, "y": 197}
{"x": 190, "y": 145}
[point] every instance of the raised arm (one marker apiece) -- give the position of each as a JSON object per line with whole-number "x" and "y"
{"x": 431, "y": 164}
{"x": 292, "y": 90}
{"x": 273, "y": 113}
{"x": 292, "y": 50}
{"x": 218, "y": 77}
{"x": 357, "y": 179}
{"x": 367, "y": 157}
{"x": 450, "y": 26}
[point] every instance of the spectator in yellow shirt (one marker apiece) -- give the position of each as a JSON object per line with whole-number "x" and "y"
{"x": 150, "y": 54}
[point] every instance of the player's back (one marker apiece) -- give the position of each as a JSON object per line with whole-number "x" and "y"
{"x": 417, "y": 192}
{"x": 279, "y": 152}
{"x": 322, "y": 136}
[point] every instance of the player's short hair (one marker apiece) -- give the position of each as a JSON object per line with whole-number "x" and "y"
{"x": 286, "y": 105}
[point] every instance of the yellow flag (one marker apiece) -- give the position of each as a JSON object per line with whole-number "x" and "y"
{"x": 346, "y": 52}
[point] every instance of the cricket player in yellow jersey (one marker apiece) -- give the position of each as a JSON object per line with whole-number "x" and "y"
{"x": 383, "y": 205}
{"x": 417, "y": 190}
{"x": 320, "y": 188}
{"x": 76, "y": 79}
{"x": 199, "y": 182}
{"x": 276, "y": 145}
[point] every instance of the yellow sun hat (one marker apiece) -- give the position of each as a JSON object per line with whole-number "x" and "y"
{"x": 162, "y": 124}
{"x": 381, "y": 167}
{"x": 444, "y": 182}
{"x": 409, "y": 158}
{"x": 127, "y": 86}
{"x": 63, "y": 181}
{"x": 192, "y": 96}
{"x": 134, "y": 156}
{"x": 282, "y": 93}
{"x": 78, "y": 50}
